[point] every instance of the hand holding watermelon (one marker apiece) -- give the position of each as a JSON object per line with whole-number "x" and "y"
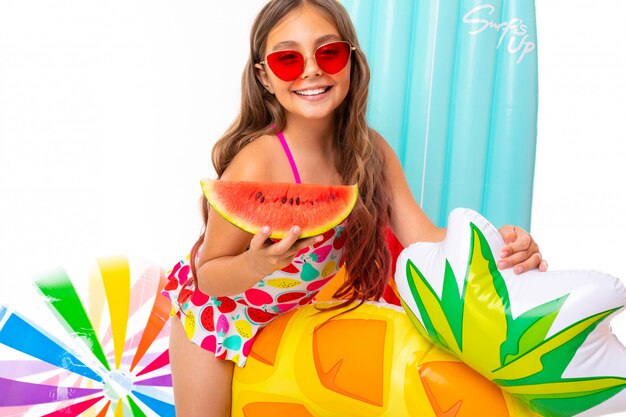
{"x": 265, "y": 257}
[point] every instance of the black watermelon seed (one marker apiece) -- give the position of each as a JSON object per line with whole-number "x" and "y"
{"x": 284, "y": 200}
{"x": 259, "y": 194}
{"x": 297, "y": 201}
{"x": 262, "y": 199}
{"x": 291, "y": 201}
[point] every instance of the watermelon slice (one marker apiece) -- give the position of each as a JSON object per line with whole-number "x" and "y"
{"x": 252, "y": 205}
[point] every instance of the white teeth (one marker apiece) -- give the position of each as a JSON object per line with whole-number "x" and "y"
{"x": 311, "y": 92}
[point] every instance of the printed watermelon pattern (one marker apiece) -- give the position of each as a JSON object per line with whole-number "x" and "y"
{"x": 227, "y": 326}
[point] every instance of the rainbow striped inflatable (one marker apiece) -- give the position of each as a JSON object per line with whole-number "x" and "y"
{"x": 93, "y": 343}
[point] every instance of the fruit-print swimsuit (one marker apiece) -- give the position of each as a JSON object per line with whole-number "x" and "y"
{"x": 228, "y": 325}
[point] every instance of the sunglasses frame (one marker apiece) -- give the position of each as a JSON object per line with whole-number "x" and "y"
{"x": 352, "y": 48}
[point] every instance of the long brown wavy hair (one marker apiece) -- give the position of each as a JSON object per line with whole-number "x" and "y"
{"x": 358, "y": 161}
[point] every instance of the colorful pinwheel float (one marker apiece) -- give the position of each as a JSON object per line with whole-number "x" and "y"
{"x": 94, "y": 343}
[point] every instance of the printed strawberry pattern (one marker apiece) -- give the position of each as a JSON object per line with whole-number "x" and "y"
{"x": 227, "y": 326}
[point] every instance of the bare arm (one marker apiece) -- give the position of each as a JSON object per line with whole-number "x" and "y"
{"x": 410, "y": 224}
{"x": 408, "y": 221}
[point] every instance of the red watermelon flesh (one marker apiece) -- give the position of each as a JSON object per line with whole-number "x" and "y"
{"x": 252, "y": 205}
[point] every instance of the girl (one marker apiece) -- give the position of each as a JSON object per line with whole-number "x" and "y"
{"x": 302, "y": 119}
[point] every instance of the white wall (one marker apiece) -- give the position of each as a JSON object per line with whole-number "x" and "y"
{"x": 108, "y": 111}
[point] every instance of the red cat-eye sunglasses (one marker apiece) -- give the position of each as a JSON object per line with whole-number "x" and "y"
{"x": 331, "y": 58}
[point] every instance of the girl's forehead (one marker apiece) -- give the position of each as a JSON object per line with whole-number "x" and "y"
{"x": 304, "y": 26}
{"x": 292, "y": 44}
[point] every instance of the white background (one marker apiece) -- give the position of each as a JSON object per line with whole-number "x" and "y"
{"x": 108, "y": 112}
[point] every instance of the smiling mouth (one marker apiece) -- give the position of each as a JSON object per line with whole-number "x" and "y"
{"x": 312, "y": 92}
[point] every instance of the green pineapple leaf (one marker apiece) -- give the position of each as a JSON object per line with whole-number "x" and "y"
{"x": 547, "y": 361}
{"x": 476, "y": 325}
{"x": 435, "y": 321}
{"x": 529, "y": 329}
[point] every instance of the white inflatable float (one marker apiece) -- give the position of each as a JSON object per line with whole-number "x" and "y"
{"x": 543, "y": 337}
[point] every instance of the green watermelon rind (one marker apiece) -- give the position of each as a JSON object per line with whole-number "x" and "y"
{"x": 213, "y": 199}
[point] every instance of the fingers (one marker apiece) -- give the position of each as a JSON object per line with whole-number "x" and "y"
{"x": 509, "y": 233}
{"x": 273, "y": 256}
{"x": 305, "y": 243}
{"x": 287, "y": 242}
{"x": 258, "y": 241}
{"x": 522, "y": 243}
{"x": 530, "y": 262}
{"x": 513, "y": 258}
{"x": 288, "y": 246}
{"x": 520, "y": 252}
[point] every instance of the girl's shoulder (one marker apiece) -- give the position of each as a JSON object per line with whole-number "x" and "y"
{"x": 381, "y": 144}
{"x": 393, "y": 167}
{"x": 257, "y": 161}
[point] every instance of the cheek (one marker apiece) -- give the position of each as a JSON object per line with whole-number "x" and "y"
{"x": 343, "y": 84}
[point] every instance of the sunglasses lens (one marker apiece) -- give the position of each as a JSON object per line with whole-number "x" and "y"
{"x": 286, "y": 65}
{"x": 332, "y": 57}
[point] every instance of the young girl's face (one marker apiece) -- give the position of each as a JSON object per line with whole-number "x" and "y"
{"x": 314, "y": 94}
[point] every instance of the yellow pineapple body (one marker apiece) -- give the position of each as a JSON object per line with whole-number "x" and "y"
{"x": 367, "y": 362}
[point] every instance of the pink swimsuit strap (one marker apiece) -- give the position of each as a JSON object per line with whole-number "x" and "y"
{"x": 294, "y": 169}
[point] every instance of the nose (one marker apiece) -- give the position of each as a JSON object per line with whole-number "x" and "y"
{"x": 310, "y": 67}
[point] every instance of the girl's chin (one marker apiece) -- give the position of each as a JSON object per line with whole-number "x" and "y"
{"x": 313, "y": 111}
{"x": 312, "y": 116}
